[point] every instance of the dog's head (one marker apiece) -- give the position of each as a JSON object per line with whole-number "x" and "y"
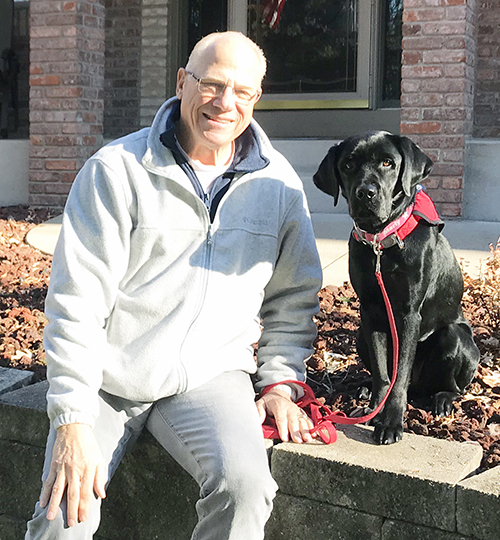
{"x": 376, "y": 172}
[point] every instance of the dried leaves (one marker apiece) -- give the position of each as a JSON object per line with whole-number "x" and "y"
{"x": 24, "y": 277}
{"x": 335, "y": 372}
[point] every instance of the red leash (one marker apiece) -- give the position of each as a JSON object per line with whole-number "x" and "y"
{"x": 322, "y": 417}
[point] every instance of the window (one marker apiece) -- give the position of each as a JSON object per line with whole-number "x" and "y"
{"x": 326, "y": 54}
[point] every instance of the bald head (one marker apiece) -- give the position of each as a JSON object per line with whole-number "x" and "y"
{"x": 211, "y": 48}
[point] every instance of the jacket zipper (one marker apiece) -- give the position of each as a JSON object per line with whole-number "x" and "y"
{"x": 201, "y": 300}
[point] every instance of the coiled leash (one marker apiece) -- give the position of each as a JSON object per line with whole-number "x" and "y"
{"x": 322, "y": 416}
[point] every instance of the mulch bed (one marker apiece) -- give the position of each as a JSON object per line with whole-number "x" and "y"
{"x": 335, "y": 373}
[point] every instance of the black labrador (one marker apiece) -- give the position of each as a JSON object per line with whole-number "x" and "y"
{"x": 379, "y": 174}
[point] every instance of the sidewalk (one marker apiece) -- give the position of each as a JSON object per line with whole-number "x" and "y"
{"x": 469, "y": 239}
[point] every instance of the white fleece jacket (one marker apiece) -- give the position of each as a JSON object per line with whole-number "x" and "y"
{"x": 148, "y": 299}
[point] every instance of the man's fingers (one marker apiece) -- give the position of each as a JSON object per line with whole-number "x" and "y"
{"x": 47, "y": 489}
{"x": 283, "y": 427}
{"x": 73, "y": 499}
{"x": 305, "y": 425}
{"x": 261, "y": 410}
{"x": 86, "y": 494}
{"x": 100, "y": 480}
{"x": 56, "y": 495}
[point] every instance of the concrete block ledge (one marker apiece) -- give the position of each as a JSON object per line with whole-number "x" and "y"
{"x": 417, "y": 489}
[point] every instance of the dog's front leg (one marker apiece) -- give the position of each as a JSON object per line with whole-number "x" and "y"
{"x": 389, "y": 422}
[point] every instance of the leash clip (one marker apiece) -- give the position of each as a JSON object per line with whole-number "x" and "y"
{"x": 377, "y": 249}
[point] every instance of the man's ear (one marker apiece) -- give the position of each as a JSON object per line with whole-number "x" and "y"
{"x": 327, "y": 177}
{"x": 181, "y": 79}
{"x": 415, "y": 166}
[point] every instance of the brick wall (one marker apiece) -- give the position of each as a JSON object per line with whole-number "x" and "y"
{"x": 66, "y": 93}
{"x": 438, "y": 90}
{"x": 156, "y": 52}
{"x": 122, "y": 67}
{"x": 487, "y": 98}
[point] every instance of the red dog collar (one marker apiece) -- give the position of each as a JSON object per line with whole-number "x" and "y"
{"x": 400, "y": 228}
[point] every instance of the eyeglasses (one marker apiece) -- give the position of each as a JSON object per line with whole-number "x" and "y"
{"x": 214, "y": 88}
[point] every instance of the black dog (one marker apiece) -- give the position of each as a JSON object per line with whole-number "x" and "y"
{"x": 379, "y": 175}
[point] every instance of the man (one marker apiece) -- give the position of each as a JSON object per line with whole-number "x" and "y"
{"x": 177, "y": 241}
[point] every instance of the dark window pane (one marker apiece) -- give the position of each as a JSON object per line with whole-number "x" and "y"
{"x": 205, "y": 17}
{"x": 391, "y": 70}
{"x": 313, "y": 49}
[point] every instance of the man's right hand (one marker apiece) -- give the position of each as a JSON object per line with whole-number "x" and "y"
{"x": 77, "y": 467}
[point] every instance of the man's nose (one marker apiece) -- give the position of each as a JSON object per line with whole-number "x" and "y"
{"x": 226, "y": 99}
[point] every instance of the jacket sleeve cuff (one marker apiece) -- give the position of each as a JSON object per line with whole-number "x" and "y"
{"x": 293, "y": 390}
{"x": 73, "y": 418}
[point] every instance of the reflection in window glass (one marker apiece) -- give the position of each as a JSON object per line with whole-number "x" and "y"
{"x": 391, "y": 70}
{"x": 313, "y": 49}
{"x": 205, "y": 17}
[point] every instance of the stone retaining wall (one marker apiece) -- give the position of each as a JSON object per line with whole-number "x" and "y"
{"x": 417, "y": 489}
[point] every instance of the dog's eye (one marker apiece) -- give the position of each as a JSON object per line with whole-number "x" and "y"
{"x": 348, "y": 165}
{"x": 387, "y": 163}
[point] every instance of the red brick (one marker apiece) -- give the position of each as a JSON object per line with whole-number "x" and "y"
{"x": 452, "y": 183}
{"x": 448, "y": 169}
{"x": 60, "y": 165}
{"x": 420, "y": 127}
{"x": 427, "y": 14}
{"x": 421, "y": 72}
{"x": 422, "y": 43}
{"x": 449, "y": 210}
{"x": 411, "y": 57}
{"x": 421, "y": 3}
{"x": 68, "y": 177}
{"x": 47, "y": 80}
{"x": 443, "y": 56}
{"x": 412, "y": 29}
{"x": 444, "y": 28}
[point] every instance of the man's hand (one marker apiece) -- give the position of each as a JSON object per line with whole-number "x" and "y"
{"x": 289, "y": 418}
{"x": 77, "y": 467}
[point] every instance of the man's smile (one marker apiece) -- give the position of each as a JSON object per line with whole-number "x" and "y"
{"x": 217, "y": 119}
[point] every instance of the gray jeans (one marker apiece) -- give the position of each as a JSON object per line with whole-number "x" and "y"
{"x": 214, "y": 432}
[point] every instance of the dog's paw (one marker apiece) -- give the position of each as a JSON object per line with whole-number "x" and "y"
{"x": 387, "y": 434}
{"x": 443, "y": 403}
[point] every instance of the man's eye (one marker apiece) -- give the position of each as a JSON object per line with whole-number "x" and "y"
{"x": 244, "y": 93}
{"x": 212, "y": 87}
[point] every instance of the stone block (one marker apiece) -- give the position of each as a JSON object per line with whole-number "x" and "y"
{"x": 149, "y": 497}
{"x": 400, "y": 530}
{"x": 12, "y": 379}
{"x": 295, "y": 518}
{"x": 413, "y": 480}
{"x": 12, "y": 528}
{"x": 478, "y": 501}
{"x": 23, "y": 416}
{"x": 21, "y": 472}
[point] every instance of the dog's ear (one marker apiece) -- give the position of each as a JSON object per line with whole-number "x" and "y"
{"x": 327, "y": 176}
{"x": 416, "y": 164}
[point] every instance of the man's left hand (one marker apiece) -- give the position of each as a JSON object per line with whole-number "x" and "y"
{"x": 290, "y": 419}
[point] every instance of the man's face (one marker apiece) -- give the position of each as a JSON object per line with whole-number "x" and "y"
{"x": 210, "y": 124}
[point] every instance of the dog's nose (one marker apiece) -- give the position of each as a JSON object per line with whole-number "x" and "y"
{"x": 366, "y": 191}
